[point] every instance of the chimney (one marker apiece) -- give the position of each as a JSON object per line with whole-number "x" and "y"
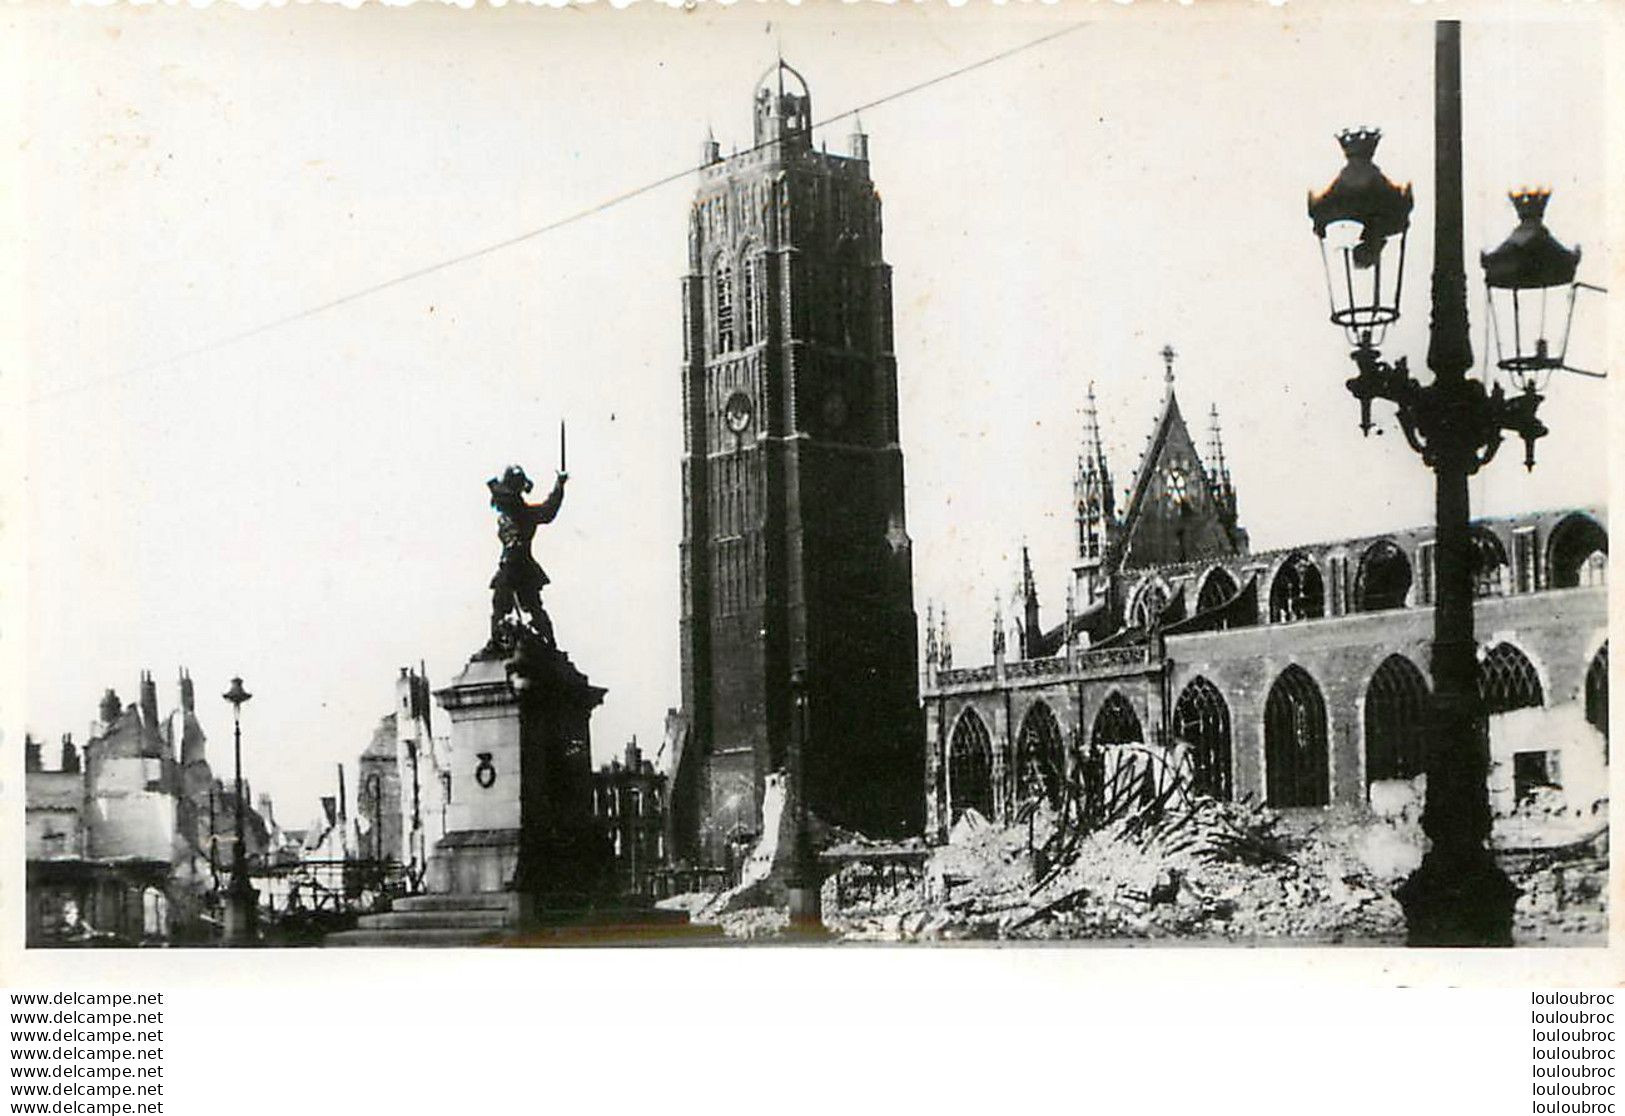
{"x": 31, "y": 755}
{"x": 186, "y": 692}
{"x": 633, "y": 756}
{"x": 70, "y": 755}
{"x": 149, "y": 700}
{"x": 111, "y": 707}
{"x": 152, "y": 740}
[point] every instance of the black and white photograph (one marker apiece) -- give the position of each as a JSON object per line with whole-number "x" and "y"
{"x": 1100, "y": 477}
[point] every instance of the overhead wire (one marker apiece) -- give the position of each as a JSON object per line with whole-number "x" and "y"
{"x": 519, "y": 238}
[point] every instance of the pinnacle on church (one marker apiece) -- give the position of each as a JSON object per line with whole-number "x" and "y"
{"x": 1216, "y": 444}
{"x": 998, "y": 626}
{"x": 1168, "y": 354}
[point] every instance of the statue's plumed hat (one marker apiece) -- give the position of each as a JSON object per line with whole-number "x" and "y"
{"x": 513, "y": 484}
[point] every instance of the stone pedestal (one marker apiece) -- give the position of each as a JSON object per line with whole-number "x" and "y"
{"x": 481, "y": 845}
{"x": 565, "y": 858}
{"x": 520, "y": 816}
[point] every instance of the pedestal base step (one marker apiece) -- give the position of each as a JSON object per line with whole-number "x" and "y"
{"x": 477, "y": 918}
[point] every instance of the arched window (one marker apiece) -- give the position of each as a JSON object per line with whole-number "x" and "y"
{"x": 1217, "y": 588}
{"x": 722, "y": 286}
{"x": 1507, "y": 680}
{"x": 1396, "y": 709}
{"x": 1149, "y": 606}
{"x": 970, "y": 768}
{"x": 1202, "y": 719}
{"x": 1383, "y": 579}
{"x": 1489, "y": 563}
{"x": 750, "y": 300}
{"x": 1597, "y": 696}
{"x": 1577, "y": 553}
{"x": 1298, "y": 592}
{"x": 1040, "y": 756}
{"x": 1295, "y": 767}
{"x": 1116, "y": 723}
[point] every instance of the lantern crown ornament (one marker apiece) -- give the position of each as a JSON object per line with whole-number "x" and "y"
{"x": 1530, "y": 257}
{"x": 1362, "y": 210}
{"x": 1362, "y": 194}
{"x": 1522, "y": 276}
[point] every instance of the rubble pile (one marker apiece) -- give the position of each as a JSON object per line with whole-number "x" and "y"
{"x": 1207, "y": 869}
{"x": 1558, "y": 858}
{"x": 737, "y": 912}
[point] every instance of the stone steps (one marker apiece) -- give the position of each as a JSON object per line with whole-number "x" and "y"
{"x": 479, "y": 918}
{"x": 487, "y": 918}
{"x": 471, "y": 901}
{"x": 434, "y": 920}
{"x": 411, "y": 939}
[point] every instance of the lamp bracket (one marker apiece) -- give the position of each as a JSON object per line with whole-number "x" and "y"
{"x": 1452, "y": 422}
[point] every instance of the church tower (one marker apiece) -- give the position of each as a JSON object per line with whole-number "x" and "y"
{"x": 795, "y": 557}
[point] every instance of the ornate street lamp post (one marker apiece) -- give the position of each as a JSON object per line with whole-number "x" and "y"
{"x": 242, "y": 900}
{"x": 1458, "y": 896}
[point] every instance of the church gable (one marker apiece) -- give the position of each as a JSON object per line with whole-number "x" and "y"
{"x": 1173, "y": 513}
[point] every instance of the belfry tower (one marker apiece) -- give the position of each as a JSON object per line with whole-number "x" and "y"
{"x": 797, "y": 596}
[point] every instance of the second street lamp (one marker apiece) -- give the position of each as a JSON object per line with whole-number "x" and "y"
{"x": 241, "y": 898}
{"x": 1459, "y": 896}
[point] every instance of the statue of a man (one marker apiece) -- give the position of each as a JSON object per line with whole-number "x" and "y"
{"x": 519, "y": 580}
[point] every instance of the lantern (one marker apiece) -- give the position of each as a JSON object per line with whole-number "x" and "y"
{"x": 1526, "y": 280}
{"x": 1355, "y": 218}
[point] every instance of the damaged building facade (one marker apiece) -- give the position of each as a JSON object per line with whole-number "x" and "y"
{"x": 129, "y": 838}
{"x": 1295, "y": 677}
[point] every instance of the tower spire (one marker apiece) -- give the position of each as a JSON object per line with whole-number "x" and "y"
{"x": 1224, "y": 493}
{"x": 1029, "y": 597}
{"x": 1096, "y": 505}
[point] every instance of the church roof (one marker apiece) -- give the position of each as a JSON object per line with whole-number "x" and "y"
{"x": 1173, "y": 513}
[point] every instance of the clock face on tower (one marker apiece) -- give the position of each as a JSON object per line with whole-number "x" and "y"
{"x": 737, "y": 412}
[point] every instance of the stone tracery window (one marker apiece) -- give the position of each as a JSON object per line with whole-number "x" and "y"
{"x": 1507, "y": 680}
{"x": 970, "y": 768}
{"x": 722, "y": 285}
{"x": 1296, "y": 771}
{"x": 1202, "y": 720}
{"x": 1396, "y": 708}
{"x": 1040, "y": 755}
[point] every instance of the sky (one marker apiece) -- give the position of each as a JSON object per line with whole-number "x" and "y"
{"x": 304, "y": 504}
